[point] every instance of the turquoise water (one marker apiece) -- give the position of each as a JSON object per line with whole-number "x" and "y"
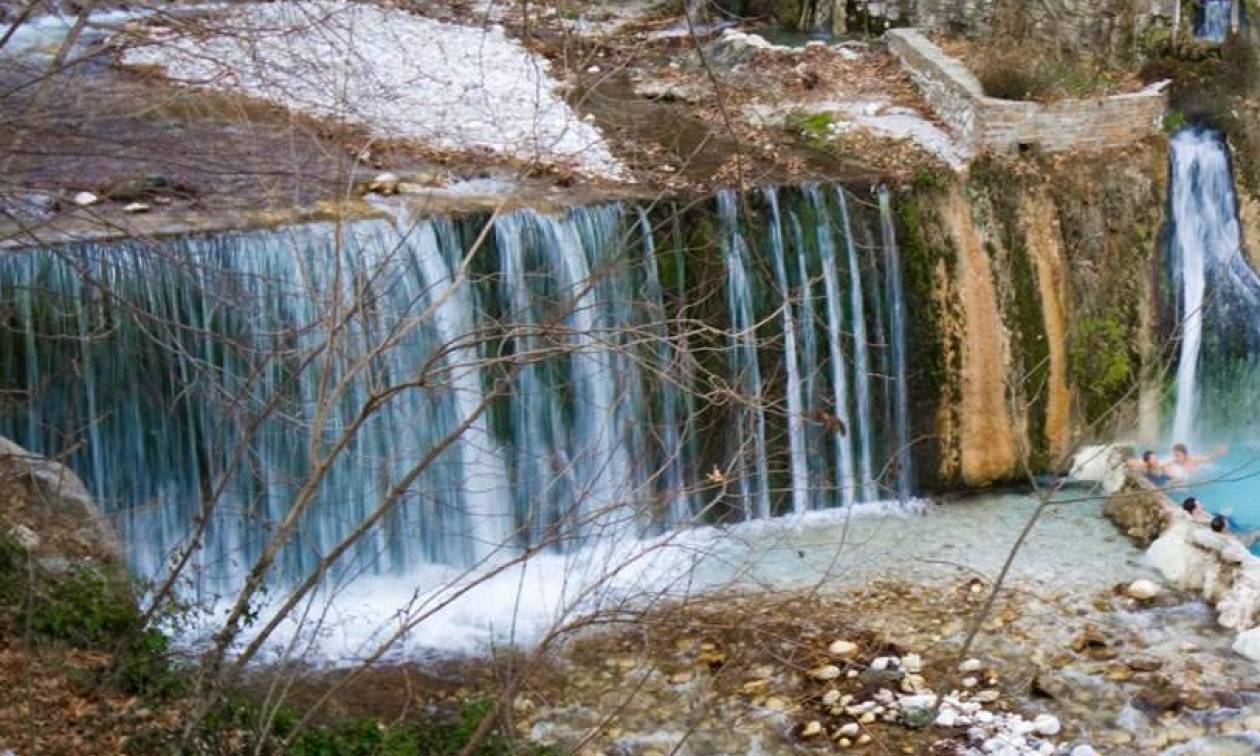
{"x": 1230, "y": 486}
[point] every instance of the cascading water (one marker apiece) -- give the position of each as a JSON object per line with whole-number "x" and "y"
{"x": 1215, "y": 18}
{"x": 897, "y": 310}
{"x": 464, "y": 397}
{"x": 1213, "y": 281}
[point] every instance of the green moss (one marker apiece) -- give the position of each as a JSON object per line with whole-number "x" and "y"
{"x": 1174, "y": 121}
{"x": 814, "y": 127}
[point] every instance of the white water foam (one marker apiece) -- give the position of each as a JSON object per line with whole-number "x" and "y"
{"x": 445, "y": 611}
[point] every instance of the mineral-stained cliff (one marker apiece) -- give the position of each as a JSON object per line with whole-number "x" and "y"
{"x": 1032, "y": 287}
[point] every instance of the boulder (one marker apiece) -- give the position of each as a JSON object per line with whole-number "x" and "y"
{"x": 46, "y": 499}
{"x": 1139, "y": 510}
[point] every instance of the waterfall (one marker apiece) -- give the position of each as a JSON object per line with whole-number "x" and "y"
{"x": 897, "y": 324}
{"x": 745, "y": 368}
{"x": 1215, "y": 18}
{"x": 861, "y": 360}
{"x": 795, "y": 402}
{"x": 844, "y": 480}
{"x": 546, "y": 382}
{"x": 675, "y": 482}
{"x": 1217, "y": 291}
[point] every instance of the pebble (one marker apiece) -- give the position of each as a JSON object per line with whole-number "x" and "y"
{"x": 988, "y": 696}
{"x": 844, "y": 742}
{"x": 812, "y": 728}
{"x": 1142, "y": 589}
{"x": 1047, "y": 725}
{"x": 970, "y": 682}
{"x": 831, "y": 697}
{"x": 971, "y": 665}
{"x": 947, "y": 718}
{"x": 1084, "y": 750}
{"x": 842, "y": 648}
{"x": 83, "y": 199}
{"x": 883, "y": 663}
{"x": 867, "y": 718}
{"x": 849, "y": 730}
{"x": 136, "y": 207}
{"x": 775, "y": 703}
{"x": 825, "y": 672}
{"x": 863, "y": 739}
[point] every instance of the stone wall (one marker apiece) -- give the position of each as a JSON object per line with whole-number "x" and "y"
{"x": 986, "y": 123}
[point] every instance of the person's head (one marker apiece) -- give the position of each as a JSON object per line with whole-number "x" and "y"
{"x": 1180, "y": 453}
{"x": 1149, "y": 458}
{"x": 1218, "y": 524}
{"x": 1191, "y": 505}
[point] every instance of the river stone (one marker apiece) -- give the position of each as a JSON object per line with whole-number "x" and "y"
{"x": 83, "y": 199}
{"x": 1142, "y": 589}
{"x": 849, "y": 730}
{"x": 1046, "y": 725}
{"x": 842, "y": 648}
{"x": 825, "y": 672}
{"x": 971, "y": 665}
{"x": 136, "y": 207}
{"x": 811, "y": 729}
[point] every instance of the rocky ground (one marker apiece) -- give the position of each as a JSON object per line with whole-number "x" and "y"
{"x": 128, "y": 118}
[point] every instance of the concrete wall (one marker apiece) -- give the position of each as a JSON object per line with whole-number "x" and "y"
{"x": 987, "y": 123}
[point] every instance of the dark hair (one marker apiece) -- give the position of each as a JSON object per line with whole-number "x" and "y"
{"x": 1190, "y": 504}
{"x": 1181, "y": 448}
{"x": 1218, "y": 524}
{"x": 1146, "y": 455}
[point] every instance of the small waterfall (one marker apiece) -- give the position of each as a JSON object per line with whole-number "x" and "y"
{"x": 1214, "y": 20}
{"x": 861, "y": 360}
{"x": 897, "y": 323}
{"x": 844, "y": 479}
{"x": 1218, "y": 293}
{"x": 745, "y": 368}
{"x": 571, "y": 356}
{"x": 795, "y": 401}
{"x": 675, "y": 482}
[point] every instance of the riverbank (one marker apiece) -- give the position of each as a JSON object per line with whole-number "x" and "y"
{"x": 750, "y": 662}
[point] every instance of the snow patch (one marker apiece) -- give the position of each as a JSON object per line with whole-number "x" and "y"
{"x": 450, "y": 86}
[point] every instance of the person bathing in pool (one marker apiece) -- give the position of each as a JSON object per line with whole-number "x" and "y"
{"x": 1184, "y": 464}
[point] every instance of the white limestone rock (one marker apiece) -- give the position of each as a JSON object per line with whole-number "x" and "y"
{"x": 1142, "y": 589}
{"x": 1248, "y": 644}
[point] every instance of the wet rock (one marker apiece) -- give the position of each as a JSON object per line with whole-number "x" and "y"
{"x": 83, "y": 199}
{"x": 136, "y": 207}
